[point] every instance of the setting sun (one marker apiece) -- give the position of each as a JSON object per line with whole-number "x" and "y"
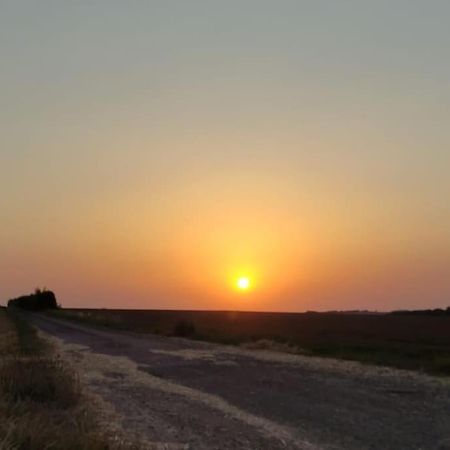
{"x": 243, "y": 283}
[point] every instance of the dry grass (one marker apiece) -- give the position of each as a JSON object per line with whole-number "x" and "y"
{"x": 8, "y": 335}
{"x": 38, "y": 379}
{"x": 42, "y": 406}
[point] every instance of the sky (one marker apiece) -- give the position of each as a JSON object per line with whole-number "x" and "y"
{"x": 154, "y": 152}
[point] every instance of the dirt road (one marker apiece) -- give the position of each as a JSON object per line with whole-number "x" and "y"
{"x": 180, "y": 394}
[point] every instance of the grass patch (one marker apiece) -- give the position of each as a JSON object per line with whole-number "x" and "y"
{"x": 41, "y": 380}
{"x": 41, "y": 403}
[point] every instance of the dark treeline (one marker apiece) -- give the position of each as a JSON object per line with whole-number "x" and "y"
{"x": 424, "y": 312}
{"x": 38, "y": 301}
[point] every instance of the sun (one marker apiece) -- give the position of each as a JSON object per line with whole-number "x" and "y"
{"x": 243, "y": 283}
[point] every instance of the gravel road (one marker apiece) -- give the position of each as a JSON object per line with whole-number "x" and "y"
{"x": 176, "y": 393}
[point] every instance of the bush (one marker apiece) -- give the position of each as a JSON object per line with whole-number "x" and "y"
{"x": 40, "y": 300}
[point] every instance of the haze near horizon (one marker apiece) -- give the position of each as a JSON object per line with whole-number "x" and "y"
{"x": 243, "y": 155}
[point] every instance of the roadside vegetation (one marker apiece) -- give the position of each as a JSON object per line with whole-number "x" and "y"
{"x": 39, "y": 300}
{"x": 41, "y": 403}
{"x": 416, "y": 341}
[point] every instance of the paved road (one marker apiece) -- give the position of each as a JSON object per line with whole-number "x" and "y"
{"x": 182, "y": 394}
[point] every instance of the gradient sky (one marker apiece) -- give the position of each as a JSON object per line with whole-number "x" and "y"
{"x": 153, "y": 151}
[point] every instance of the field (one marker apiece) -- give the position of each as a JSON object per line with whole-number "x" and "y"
{"x": 417, "y": 342}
